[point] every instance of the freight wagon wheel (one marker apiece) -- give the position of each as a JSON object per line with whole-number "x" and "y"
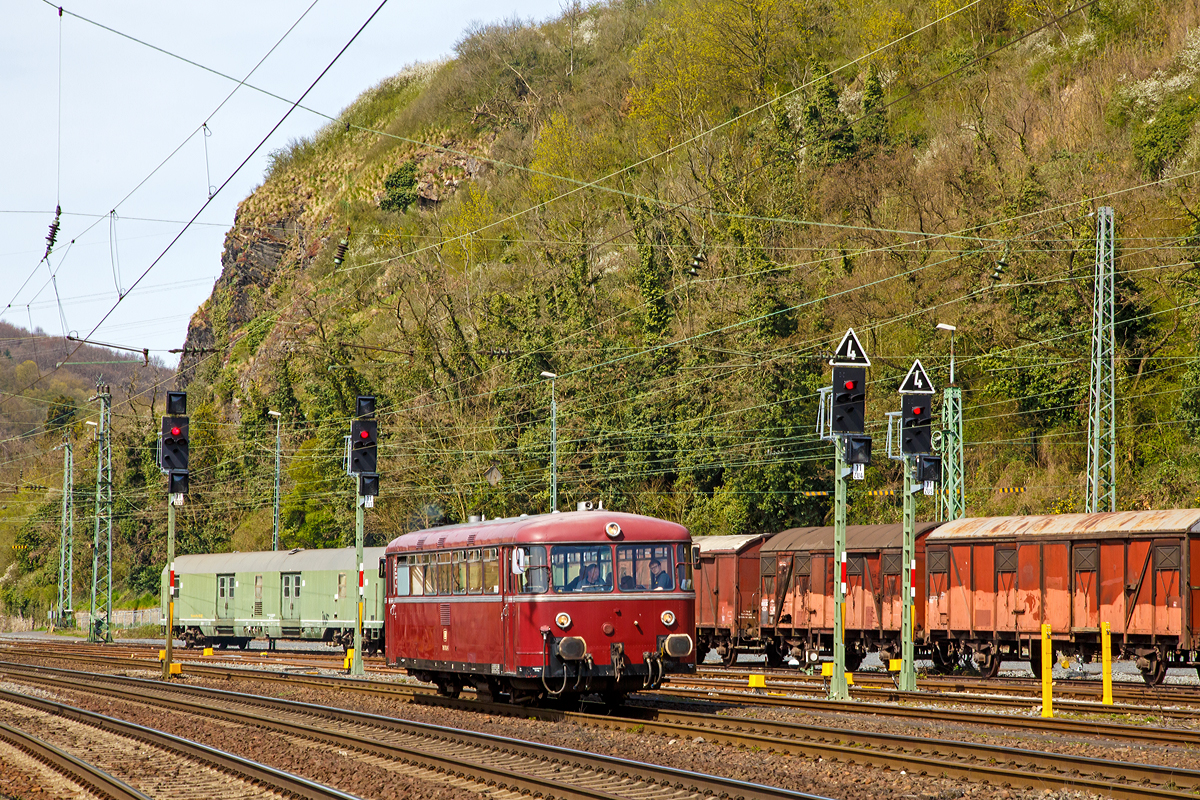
{"x": 990, "y": 668}
{"x": 774, "y": 656}
{"x": 1035, "y": 664}
{"x": 1156, "y": 674}
{"x": 730, "y": 658}
{"x": 853, "y": 661}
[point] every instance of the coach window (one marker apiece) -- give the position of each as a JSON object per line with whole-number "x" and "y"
{"x": 400, "y": 578}
{"x": 429, "y": 560}
{"x": 416, "y": 571}
{"x": 581, "y": 568}
{"x": 474, "y": 572}
{"x": 491, "y": 571}
{"x": 460, "y": 572}
{"x": 341, "y": 589}
{"x": 683, "y": 567}
{"x": 645, "y": 567}
{"x": 531, "y": 574}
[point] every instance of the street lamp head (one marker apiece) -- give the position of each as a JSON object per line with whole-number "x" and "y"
{"x": 274, "y": 413}
{"x": 550, "y": 375}
{"x": 942, "y": 326}
{"x": 89, "y": 422}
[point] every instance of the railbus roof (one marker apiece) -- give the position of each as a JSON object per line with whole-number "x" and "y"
{"x": 565, "y": 527}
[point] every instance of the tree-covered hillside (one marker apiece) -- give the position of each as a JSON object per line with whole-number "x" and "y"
{"x": 678, "y": 207}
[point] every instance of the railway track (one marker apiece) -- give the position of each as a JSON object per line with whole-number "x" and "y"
{"x": 75, "y": 770}
{"x": 872, "y": 683}
{"x": 176, "y": 769}
{"x": 485, "y": 759}
{"x": 919, "y": 754}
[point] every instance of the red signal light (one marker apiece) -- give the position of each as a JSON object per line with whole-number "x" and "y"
{"x": 849, "y": 386}
{"x": 176, "y": 431}
{"x": 364, "y": 435}
{"x": 916, "y": 411}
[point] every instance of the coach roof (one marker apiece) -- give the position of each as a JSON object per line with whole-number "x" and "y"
{"x": 341, "y": 558}
{"x": 1114, "y": 523}
{"x": 569, "y": 526}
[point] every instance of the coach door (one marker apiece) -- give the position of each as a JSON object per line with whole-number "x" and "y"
{"x": 289, "y": 601}
{"x": 225, "y": 599}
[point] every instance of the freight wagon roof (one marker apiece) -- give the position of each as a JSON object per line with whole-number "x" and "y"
{"x": 710, "y": 545}
{"x": 1113, "y": 523}
{"x": 569, "y": 526}
{"x": 341, "y": 558}
{"x": 858, "y": 537}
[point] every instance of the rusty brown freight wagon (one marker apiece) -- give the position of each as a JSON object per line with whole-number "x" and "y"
{"x": 797, "y": 605}
{"x": 993, "y": 581}
{"x": 727, "y": 592}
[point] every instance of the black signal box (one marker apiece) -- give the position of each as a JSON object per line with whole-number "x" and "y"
{"x": 916, "y": 429}
{"x": 849, "y": 399}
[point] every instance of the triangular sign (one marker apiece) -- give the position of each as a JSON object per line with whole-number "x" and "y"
{"x": 916, "y": 382}
{"x": 850, "y": 352}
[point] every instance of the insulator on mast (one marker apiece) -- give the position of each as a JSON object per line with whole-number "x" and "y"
{"x": 52, "y": 237}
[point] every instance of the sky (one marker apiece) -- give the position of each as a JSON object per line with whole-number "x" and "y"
{"x": 92, "y": 119}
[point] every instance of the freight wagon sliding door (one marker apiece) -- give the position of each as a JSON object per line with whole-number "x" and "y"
{"x": 706, "y": 600}
{"x": 891, "y": 596}
{"x": 1029, "y": 589}
{"x": 1112, "y": 584}
{"x": 1193, "y": 545}
{"x": 983, "y": 596}
{"x": 1139, "y": 587}
{"x": 1167, "y": 611}
{"x": 1085, "y": 599}
{"x": 748, "y": 594}
{"x": 1007, "y": 607}
{"x": 937, "y": 610}
{"x": 960, "y": 588}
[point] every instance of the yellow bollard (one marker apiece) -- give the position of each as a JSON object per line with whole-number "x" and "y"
{"x": 162, "y": 655}
{"x": 849, "y": 678}
{"x": 1047, "y": 670}
{"x": 758, "y": 682}
{"x": 1106, "y": 661}
{"x": 826, "y": 669}
{"x": 176, "y": 668}
{"x": 208, "y": 651}
{"x": 349, "y": 658}
{"x": 895, "y": 664}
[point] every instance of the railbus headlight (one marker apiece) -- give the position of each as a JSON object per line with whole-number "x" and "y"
{"x": 668, "y": 618}
{"x": 563, "y": 620}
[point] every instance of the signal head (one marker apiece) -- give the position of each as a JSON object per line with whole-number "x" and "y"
{"x": 176, "y": 404}
{"x": 364, "y": 406}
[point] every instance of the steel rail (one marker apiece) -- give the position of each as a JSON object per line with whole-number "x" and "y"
{"x": 76, "y": 770}
{"x": 227, "y": 762}
{"x": 604, "y": 769}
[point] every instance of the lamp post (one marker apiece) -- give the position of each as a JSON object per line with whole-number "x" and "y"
{"x": 552, "y": 377}
{"x": 275, "y": 528}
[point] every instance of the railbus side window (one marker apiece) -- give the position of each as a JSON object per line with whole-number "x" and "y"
{"x": 400, "y": 579}
{"x": 530, "y": 570}
{"x": 491, "y": 571}
{"x": 684, "y": 568}
{"x": 445, "y": 574}
{"x": 474, "y": 572}
{"x": 430, "y": 573}
{"x": 460, "y": 572}
{"x": 416, "y": 571}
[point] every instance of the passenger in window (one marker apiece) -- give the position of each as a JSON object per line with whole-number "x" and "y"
{"x": 627, "y": 583}
{"x": 587, "y": 581}
{"x": 659, "y": 578}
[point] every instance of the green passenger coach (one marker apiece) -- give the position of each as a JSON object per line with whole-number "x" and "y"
{"x": 231, "y": 598}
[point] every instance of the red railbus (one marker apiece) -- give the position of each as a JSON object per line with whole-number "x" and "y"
{"x": 542, "y": 607}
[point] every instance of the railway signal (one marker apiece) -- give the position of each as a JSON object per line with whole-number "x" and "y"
{"x": 363, "y": 464}
{"x": 173, "y": 460}
{"x": 845, "y": 427}
{"x": 916, "y": 429}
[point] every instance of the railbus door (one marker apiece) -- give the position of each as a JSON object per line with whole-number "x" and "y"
{"x": 508, "y": 614}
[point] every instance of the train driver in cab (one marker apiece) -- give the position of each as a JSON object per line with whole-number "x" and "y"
{"x": 659, "y": 577}
{"x": 588, "y": 581}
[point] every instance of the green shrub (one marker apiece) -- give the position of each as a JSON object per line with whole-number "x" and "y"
{"x": 401, "y": 188}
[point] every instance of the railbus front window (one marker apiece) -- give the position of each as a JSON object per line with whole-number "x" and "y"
{"x": 531, "y": 574}
{"x": 647, "y": 567}
{"x": 582, "y": 568}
